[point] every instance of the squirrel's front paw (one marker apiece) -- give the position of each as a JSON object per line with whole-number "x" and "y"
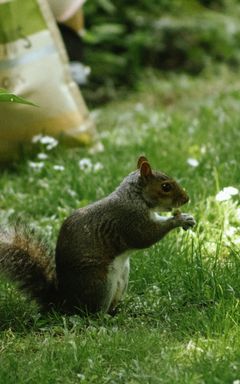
{"x": 185, "y": 221}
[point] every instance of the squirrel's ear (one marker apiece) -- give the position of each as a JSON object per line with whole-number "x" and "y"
{"x": 145, "y": 169}
{"x": 141, "y": 160}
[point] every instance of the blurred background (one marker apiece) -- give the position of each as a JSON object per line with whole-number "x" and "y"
{"x": 122, "y": 39}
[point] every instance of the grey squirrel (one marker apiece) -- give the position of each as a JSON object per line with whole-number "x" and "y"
{"x": 91, "y": 261}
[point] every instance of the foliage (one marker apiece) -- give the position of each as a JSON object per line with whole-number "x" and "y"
{"x": 181, "y": 313}
{"x": 6, "y": 96}
{"x": 121, "y": 38}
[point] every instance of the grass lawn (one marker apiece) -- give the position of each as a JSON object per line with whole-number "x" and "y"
{"x": 180, "y": 321}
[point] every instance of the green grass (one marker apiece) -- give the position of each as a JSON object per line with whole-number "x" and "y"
{"x": 180, "y": 321}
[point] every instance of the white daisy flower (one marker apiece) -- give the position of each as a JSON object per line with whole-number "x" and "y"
{"x": 49, "y": 141}
{"x": 58, "y": 167}
{"x": 231, "y": 190}
{"x": 85, "y": 165}
{"x": 42, "y": 156}
{"x": 226, "y": 193}
{"x": 98, "y": 167}
{"x": 193, "y": 162}
{"x": 36, "y": 165}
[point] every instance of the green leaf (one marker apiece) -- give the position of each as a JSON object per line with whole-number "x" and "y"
{"x": 6, "y": 96}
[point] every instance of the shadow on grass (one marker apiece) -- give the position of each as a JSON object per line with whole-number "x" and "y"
{"x": 177, "y": 318}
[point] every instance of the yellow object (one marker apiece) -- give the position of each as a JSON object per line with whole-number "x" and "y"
{"x": 65, "y": 9}
{"x": 76, "y": 22}
{"x": 34, "y": 65}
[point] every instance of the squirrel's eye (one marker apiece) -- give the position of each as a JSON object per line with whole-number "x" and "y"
{"x": 166, "y": 187}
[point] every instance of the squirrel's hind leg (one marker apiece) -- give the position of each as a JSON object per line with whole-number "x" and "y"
{"x": 85, "y": 290}
{"x": 94, "y": 289}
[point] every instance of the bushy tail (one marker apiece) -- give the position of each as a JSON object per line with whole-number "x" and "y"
{"x": 28, "y": 261}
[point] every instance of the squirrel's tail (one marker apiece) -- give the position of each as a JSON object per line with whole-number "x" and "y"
{"x": 29, "y": 262}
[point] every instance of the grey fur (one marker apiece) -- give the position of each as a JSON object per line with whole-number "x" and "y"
{"x": 88, "y": 243}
